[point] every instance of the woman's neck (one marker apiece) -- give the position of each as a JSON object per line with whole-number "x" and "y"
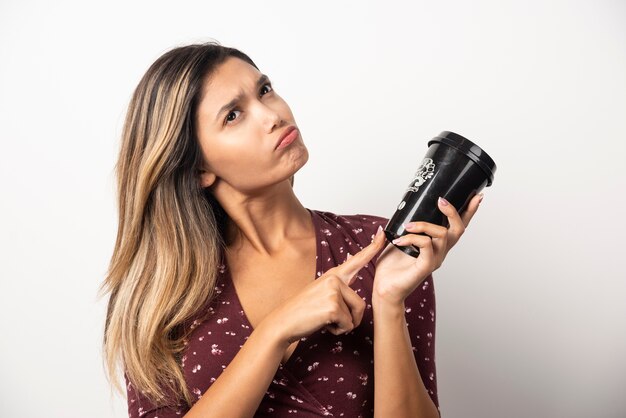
{"x": 264, "y": 225}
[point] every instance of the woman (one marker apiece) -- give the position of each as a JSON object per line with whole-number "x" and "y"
{"x": 228, "y": 297}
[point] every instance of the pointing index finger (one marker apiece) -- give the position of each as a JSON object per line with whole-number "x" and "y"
{"x": 352, "y": 265}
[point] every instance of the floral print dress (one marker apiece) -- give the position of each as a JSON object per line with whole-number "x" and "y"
{"x": 327, "y": 374}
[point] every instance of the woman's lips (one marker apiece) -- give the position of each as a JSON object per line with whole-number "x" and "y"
{"x": 288, "y": 139}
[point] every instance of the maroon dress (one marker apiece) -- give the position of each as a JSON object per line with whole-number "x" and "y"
{"x": 327, "y": 374}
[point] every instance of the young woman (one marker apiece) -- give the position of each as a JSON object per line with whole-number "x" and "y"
{"x": 229, "y": 298}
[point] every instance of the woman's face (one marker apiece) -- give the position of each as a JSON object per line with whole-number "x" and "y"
{"x": 239, "y": 141}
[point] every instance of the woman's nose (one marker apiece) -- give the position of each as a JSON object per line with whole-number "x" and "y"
{"x": 271, "y": 118}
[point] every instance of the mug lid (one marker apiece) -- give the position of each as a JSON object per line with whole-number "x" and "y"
{"x": 473, "y": 151}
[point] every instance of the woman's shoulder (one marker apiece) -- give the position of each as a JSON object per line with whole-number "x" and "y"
{"x": 359, "y": 226}
{"x": 367, "y": 219}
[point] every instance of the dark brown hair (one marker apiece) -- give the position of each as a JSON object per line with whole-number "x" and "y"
{"x": 170, "y": 230}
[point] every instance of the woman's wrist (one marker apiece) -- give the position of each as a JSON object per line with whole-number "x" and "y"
{"x": 386, "y": 302}
{"x": 272, "y": 334}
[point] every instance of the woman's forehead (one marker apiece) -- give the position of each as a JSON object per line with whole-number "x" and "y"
{"x": 231, "y": 79}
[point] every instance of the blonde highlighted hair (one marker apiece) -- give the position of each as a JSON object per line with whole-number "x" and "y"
{"x": 170, "y": 230}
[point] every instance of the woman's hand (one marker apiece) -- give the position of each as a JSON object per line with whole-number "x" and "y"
{"x": 398, "y": 274}
{"x": 327, "y": 302}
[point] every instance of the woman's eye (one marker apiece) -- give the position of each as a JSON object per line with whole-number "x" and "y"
{"x": 268, "y": 84}
{"x": 228, "y": 119}
{"x": 230, "y": 113}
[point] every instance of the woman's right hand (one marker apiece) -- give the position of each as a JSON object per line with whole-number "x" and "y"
{"x": 326, "y": 302}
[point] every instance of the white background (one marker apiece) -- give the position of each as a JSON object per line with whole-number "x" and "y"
{"x": 531, "y": 301}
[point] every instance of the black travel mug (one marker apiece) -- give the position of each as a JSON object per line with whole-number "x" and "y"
{"x": 454, "y": 168}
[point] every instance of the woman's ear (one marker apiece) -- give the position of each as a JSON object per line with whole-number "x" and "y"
{"x": 206, "y": 178}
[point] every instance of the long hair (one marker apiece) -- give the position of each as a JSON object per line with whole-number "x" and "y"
{"x": 170, "y": 230}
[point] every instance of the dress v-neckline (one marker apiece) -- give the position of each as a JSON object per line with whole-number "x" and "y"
{"x": 318, "y": 269}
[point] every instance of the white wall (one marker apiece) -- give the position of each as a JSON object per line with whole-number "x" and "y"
{"x": 531, "y": 301}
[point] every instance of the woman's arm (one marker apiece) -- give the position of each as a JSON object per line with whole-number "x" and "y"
{"x": 327, "y": 302}
{"x": 399, "y": 390}
{"x": 398, "y": 387}
{"x": 239, "y": 390}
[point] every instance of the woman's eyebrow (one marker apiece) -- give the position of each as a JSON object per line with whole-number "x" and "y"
{"x": 262, "y": 80}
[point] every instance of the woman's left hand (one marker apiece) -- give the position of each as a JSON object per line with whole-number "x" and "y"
{"x": 399, "y": 274}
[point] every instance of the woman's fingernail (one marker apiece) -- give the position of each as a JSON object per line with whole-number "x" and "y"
{"x": 443, "y": 201}
{"x": 398, "y": 241}
{"x": 480, "y": 199}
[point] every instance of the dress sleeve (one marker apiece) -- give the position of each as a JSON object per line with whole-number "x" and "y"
{"x": 139, "y": 406}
